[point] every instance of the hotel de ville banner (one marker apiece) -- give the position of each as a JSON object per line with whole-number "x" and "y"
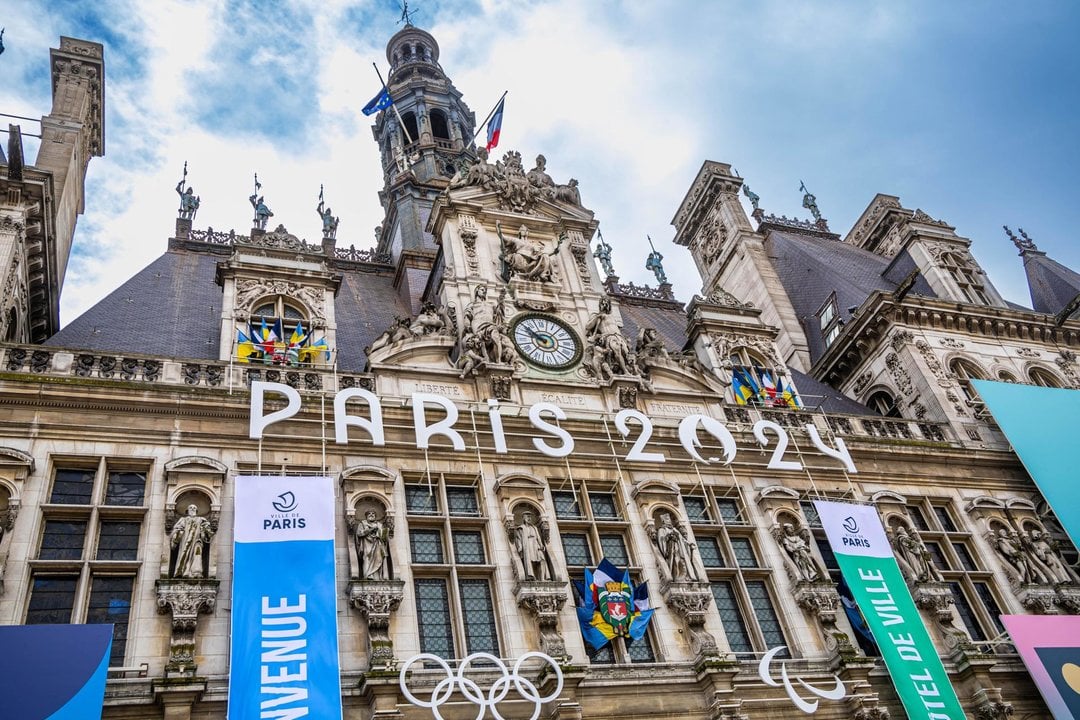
{"x": 866, "y": 560}
{"x": 284, "y": 646}
{"x": 1041, "y": 423}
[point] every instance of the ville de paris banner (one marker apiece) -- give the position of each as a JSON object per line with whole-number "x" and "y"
{"x": 284, "y": 650}
{"x": 1041, "y": 424}
{"x": 866, "y": 560}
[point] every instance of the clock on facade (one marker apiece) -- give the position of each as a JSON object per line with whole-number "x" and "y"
{"x": 546, "y": 341}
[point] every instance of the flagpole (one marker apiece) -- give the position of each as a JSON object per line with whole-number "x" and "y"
{"x": 493, "y": 109}
{"x": 393, "y": 105}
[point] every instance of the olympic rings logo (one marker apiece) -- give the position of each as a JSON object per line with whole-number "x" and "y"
{"x": 472, "y": 692}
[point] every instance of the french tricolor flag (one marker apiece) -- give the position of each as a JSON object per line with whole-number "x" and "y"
{"x": 495, "y": 125}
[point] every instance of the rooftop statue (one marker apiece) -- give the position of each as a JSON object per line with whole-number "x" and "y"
{"x": 329, "y": 222}
{"x": 569, "y": 192}
{"x": 540, "y": 180}
{"x": 189, "y": 201}
{"x": 603, "y": 254}
{"x": 655, "y": 262}
{"x": 262, "y": 212}
{"x": 753, "y": 196}
{"x": 809, "y": 201}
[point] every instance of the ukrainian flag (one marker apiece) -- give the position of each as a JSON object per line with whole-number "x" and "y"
{"x": 244, "y": 347}
{"x": 744, "y": 386}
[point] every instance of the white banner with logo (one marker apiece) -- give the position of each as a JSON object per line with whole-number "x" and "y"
{"x": 284, "y": 650}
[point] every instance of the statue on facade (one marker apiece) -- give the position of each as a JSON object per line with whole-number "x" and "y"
{"x": 752, "y": 196}
{"x": 531, "y": 549}
{"x": 1011, "y": 551}
{"x": 540, "y": 180}
{"x": 569, "y": 193}
{"x": 516, "y": 193}
{"x": 428, "y": 322}
{"x": 400, "y": 329}
{"x": 525, "y": 257}
{"x": 262, "y": 212}
{"x": 372, "y": 538}
{"x": 609, "y": 352}
{"x": 190, "y": 538}
{"x": 796, "y": 545}
{"x": 675, "y": 551}
{"x": 913, "y": 557}
{"x": 603, "y": 254}
{"x": 1046, "y": 553}
{"x": 329, "y": 222}
{"x": 189, "y": 201}
{"x": 481, "y": 172}
{"x": 486, "y": 321}
{"x": 655, "y": 262}
{"x": 809, "y": 201}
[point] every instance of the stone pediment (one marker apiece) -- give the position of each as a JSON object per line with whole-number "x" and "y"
{"x": 670, "y": 376}
{"x": 481, "y": 202}
{"x": 431, "y": 352}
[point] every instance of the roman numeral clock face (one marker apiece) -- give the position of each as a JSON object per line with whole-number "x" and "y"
{"x": 546, "y": 342}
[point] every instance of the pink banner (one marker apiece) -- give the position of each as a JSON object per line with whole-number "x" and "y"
{"x": 1050, "y": 648}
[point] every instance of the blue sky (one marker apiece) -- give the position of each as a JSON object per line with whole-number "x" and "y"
{"x": 964, "y": 109}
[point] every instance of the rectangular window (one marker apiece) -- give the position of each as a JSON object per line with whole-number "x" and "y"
{"x": 63, "y": 540}
{"x": 640, "y": 651}
{"x": 468, "y": 548}
{"x": 462, "y": 501}
{"x": 426, "y": 546}
{"x": 966, "y": 612}
{"x": 72, "y": 487}
{"x": 576, "y": 547}
{"x": 110, "y": 602}
{"x": 937, "y": 555}
{"x": 731, "y": 617}
{"x": 827, "y": 553}
{"x": 988, "y": 601}
{"x": 729, "y": 511}
{"x": 810, "y": 512}
{"x": 52, "y": 599}
{"x": 918, "y": 518}
{"x": 614, "y": 549}
{"x": 744, "y": 552}
{"x": 603, "y": 506}
{"x": 765, "y": 613}
{"x": 944, "y": 518}
{"x": 966, "y": 560}
{"x": 433, "y": 618}
{"x": 566, "y": 505}
{"x": 832, "y": 334}
{"x": 118, "y": 540}
{"x": 479, "y": 615}
{"x": 709, "y": 551}
{"x": 420, "y": 500}
{"x": 125, "y": 488}
{"x": 603, "y": 656}
{"x": 697, "y": 510}
{"x": 828, "y": 313}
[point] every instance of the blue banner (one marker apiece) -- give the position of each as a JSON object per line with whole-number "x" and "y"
{"x": 1041, "y": 424}
{"x": 54, "y": 672}
{"x": 284, "y": 652}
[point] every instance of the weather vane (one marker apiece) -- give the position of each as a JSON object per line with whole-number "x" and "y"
{"x": 406, "y": 14}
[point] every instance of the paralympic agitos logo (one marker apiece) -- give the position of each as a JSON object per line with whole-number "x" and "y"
{"x": 837, "y": 692}
{"x": 285, "y": 516}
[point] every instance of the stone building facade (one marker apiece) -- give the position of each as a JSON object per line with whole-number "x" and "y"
{"x": 590, "y": 418}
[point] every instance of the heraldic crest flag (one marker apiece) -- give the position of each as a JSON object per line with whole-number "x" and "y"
{"x": 610, "y": 606}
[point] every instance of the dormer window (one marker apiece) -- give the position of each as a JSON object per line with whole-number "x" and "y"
{"x": 829, "y": 320}
{"x": 277, "y": 333}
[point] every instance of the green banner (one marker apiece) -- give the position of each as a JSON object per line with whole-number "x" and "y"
{"x": 867, "y": 563}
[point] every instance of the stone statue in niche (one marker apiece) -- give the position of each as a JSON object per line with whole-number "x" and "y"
{"x": 913, "y": 557}
{"x": 527, "y": 257}
{"x": 372, "y": 537}
{"x": 796, "y": 545}
{"x": 190, "y": 539}
{"x": 1045, "y": 552}
{"x": 608, "y": 351}
{"x": 675, "y": 551}
{"x": 1011, "y": 551}
{"x": 531, "y": 548}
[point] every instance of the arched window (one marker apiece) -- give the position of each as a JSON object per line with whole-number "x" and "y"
{"x": 409, "y": 119}
{"x": 1006, "y": 376}
{"x": 273, "y": 334}
{"x": 1044, "y": 378}
{"x": 439, "y": 128}
{"x": 966, "y": 371}
{"x": 883, "y": 403}
{"x": 755, "y": 382}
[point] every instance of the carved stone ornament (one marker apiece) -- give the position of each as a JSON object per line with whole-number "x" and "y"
{"x": 280, "y": 239}
{"x": 249, "y": 290}
{"x": 994, "y": 711}
{"x": 468, "y": 232}
{"x": 820, "y": 598}
{"x": 690, "y": 601}
{"x": 861, "y": 382}
{"x": 185, "y": 599}
{"x": 900, "y": 375}
{"x": 720, "y": 296}
{"x": 377, "y": 600}
{"x": 900, "y": 339}
{"x": 875, "y": 712}
{"x": 937, "y": 598}
{"x": 544, "y": 600}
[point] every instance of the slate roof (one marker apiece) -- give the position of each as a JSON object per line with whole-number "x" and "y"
{"x": 1051, "y": 284}
{"x": 669, "y": 321}
{"x": 172, "y": 307}
{"x": 815, "y": 394}
{"x": 812, "y": 268}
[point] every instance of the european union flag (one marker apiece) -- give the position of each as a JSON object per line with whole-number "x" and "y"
{"x": 379, "y": 102}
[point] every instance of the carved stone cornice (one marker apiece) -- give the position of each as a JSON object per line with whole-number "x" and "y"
{"x": 377, "y": 600}
{"x": 690, "y": 601}
{"x": 544, "y": 600}
{"x": 185, "y": 599}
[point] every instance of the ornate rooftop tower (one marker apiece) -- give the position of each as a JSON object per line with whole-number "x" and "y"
{"x": 420, "y": 152}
